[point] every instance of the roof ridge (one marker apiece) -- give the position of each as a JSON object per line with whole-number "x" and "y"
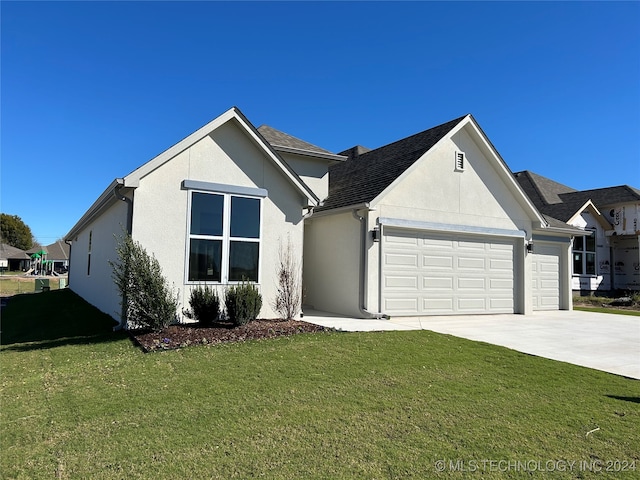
{"x": 412, "y": 137}
{"x": 272, "y": 135}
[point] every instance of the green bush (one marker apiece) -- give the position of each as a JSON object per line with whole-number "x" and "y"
{"x": 243, "y": 303}
{"x": 205, "y": 304}
{"x": 146, "y": 298}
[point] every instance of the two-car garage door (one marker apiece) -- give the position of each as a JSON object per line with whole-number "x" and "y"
{"x": 428, "y": 273}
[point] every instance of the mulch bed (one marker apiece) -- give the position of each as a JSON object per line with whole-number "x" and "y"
{"x": 185, "y": 335}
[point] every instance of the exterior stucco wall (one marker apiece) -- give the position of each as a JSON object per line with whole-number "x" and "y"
{"x": 332, "y": 263}
{"x": 313, "y": 171}
{"x": 161, "y": 216}
{"x": 96, "y": 285}
{"x": 435, "y": 192}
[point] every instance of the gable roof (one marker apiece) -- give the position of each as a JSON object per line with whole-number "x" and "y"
{"x": 57, "y": 251}
{"x": 132, "y": 180}
{"x": 10, "y": 252}
{"x": 563, "y": 202}
{"x": 365, "y": 176}
{"x": 283, "y": 142}
{"x": 233, "y": 114}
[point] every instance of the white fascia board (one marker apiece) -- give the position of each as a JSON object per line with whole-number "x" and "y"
{"x": 105, "y": 200}
{"x": 336, "y": 211}
{"x": 310, "y": 153}
{"x": 595, "y": 212}
{"x": 450, "y": 228}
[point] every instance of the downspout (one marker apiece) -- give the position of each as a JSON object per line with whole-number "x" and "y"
{"x": 363, "y": 269}
{"x": 129, "y": 202}
{"x": 69, "y": 266}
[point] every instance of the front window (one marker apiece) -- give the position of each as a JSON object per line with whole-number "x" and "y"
{"x": 584, "y": 255}
{"x": 224, "y": 238}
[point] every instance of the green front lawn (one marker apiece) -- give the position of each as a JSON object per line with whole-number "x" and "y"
{"x": 79, "y": 401}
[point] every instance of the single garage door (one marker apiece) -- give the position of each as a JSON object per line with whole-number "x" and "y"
{"x": 546, "y": 276}
{"x": 426, "y": 273}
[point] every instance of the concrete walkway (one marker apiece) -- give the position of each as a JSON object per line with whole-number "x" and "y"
{"x": 600, "y": 341}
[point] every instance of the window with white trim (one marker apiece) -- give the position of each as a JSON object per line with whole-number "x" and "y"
{"x": 584, "y": 255}
{"x": 224, "y": 238}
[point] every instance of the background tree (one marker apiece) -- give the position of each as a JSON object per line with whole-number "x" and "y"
{"x": 15, "y": 232}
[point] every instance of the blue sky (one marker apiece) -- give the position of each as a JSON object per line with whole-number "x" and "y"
{"x": 92, "y": 90}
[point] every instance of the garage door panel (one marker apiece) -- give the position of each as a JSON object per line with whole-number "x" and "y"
{"x": 436, "y": 306}
{"x": 501, "y": 264}
{"x": 401, "y": 305}
{"x": 457, "y": 274}
{"x": 471, "y": 263}
{"x": 435, "y": 243}
{"x": 432, "y": 261}
{"x": 402, "y": 238}
{"x": 465, "y": 245}
{"x": 437, "y": 283}
{"x": 501, "y": 304}
{"x": 471, "y": 304}
{"x": 505, "y": 284}
{"x": 471, "y": 284}
{"x": 405, "y": 282}
{"x": 397, "y": 259}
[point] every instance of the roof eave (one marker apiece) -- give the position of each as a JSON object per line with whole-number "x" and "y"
{"x": 105, "y": 200}
{"x": 309, "y": 153}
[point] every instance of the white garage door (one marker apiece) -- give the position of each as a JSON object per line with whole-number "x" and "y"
{"x": 446, "y": 274}
{"x": 546, "y": 276}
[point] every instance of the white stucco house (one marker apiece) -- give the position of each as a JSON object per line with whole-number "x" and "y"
{"x": 433, "y": 224}
{"x": 607, "y": 259}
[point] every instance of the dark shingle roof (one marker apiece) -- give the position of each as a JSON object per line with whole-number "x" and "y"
{"x": 562, "y": 202}
{"x": 280, "y": 139}
{"x": 363, "y": 177}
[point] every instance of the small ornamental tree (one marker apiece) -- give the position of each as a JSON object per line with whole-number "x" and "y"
{"x": 243, "y": 303}
{"x": 289, "y": 290}
{"x": 147, "y": 299}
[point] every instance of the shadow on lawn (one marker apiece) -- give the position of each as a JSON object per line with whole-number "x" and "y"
{"x": 53, "y": 319}
{"x": 625, "y": 399}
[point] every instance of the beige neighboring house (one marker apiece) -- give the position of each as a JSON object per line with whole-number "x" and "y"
{"x": 434, "y": 224}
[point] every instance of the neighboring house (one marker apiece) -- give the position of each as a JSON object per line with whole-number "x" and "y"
{"x": 608, "y": 258}
{"x": 58, "y": 256}
{"x": 13, "y": 259}
{"x": 432, "y": 224}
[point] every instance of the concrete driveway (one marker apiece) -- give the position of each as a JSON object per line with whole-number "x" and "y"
{"x": 600, "y": 341}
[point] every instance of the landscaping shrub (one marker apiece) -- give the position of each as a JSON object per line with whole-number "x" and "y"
{"x": 147, "y": 300}
{"x": 243, "y": 303}
{"x": 288, "y": 298}
{"x": 205, "y": 304}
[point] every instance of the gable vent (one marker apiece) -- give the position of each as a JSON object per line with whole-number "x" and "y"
{"x": 460, "y": 161}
